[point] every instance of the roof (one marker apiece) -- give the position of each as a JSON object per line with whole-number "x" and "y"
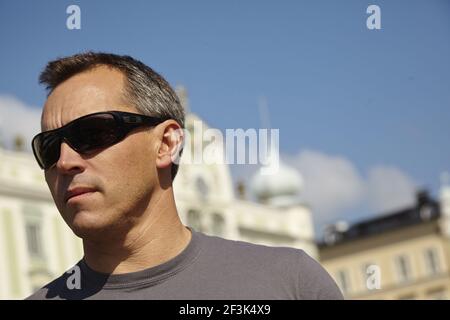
{"x": 426, "y": 209}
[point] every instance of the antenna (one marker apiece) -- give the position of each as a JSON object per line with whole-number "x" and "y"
{"x": 271, "y": 159}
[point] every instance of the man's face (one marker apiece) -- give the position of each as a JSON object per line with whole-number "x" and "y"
{"x": 122, "y": 175}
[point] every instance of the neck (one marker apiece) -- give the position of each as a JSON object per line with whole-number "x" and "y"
{"x": 156, "y": 238}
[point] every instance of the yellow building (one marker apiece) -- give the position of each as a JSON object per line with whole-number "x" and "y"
{"x": 402, "y": 255}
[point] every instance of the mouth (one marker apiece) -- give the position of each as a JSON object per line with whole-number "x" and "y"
{"x": 78, "y": 193}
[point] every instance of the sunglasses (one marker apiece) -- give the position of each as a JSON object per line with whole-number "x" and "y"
{"x": 88, "y": 133}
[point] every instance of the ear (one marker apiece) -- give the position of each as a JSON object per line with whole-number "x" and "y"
{"x": 171, "y": 138}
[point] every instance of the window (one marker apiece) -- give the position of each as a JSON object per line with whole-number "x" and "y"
{"x": 34, "y": 240}
{"x": 343, "y": 281}
{"x": 371, "y": 276}
{"x": 202, "y": 188}
{"x": 365, "y": 271}
{"x": 194, "y": 220}
{"x": 432, "y": 261}
{"x": 403, "y": 268}
{"x": 33, "y": 229}
{"x": 218, "y": 224}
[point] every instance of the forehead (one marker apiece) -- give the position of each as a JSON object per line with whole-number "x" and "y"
{"x": 95, "y": 90}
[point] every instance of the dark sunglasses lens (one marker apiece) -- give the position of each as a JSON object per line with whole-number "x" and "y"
{"x": 93, "y": 132}
{"x": 46, "y": 149}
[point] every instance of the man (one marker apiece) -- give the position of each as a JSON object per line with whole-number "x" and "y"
{"x": 110, "y": 131}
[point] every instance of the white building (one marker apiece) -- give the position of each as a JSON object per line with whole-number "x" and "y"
{"x": 36, "y": 245}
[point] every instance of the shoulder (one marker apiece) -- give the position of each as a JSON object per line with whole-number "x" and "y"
{"x": 218, "y": 247}
{"x": 251, "y": 252}
{"x": 290, "y": 266}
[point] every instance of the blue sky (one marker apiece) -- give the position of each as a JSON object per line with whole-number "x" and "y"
{"x": 375, "y": 99}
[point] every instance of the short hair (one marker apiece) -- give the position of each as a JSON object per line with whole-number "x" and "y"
{"x": 145, "y": 89}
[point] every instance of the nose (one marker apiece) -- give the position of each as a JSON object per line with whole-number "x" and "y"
{"x": 70, "y": 161}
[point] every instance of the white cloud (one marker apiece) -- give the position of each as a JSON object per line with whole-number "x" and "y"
{"x": 332, "y": 183}
{"x": 388, "y": 188}
{"x": 17, "y": 118}
{"x": 334, "y": 187}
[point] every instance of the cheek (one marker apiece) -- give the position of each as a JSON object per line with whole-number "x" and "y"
{"x": 50, "y": 178}
{"x": 130, "y": 171}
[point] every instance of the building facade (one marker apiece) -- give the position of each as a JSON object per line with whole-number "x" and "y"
{"x": 36, "y": 245}
{"x": 402, "y": 255}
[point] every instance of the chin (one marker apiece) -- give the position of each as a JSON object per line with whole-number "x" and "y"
{"x": 86, "y": 224}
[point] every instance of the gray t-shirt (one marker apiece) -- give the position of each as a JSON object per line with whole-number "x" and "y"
{"x": 208, "y": 268}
